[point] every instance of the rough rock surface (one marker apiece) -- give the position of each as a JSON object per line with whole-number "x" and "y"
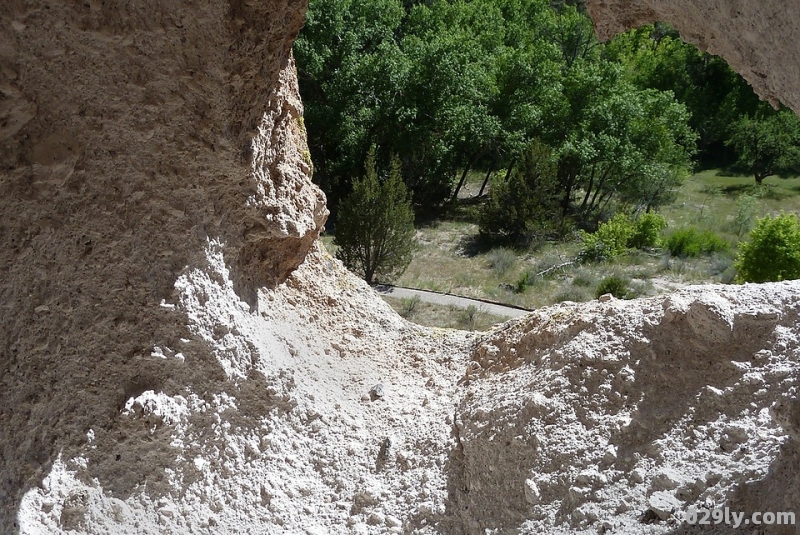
{"x": 130, "y": 135}
{"x": 757, "y": 38}
{"x": 286, "y": 439}
{"x": 167, "y": 367}
{"x": 612, "y": 409}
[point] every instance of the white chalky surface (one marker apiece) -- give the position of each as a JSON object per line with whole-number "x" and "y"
{"x": 575, "y": 418}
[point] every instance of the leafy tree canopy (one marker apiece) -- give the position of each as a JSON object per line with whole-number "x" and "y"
{"x": 453, "y": 85}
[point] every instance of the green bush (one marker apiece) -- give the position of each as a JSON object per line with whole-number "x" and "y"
{"x": 690, "y": 242}
{"x": 526, "y": 279}
{"x": 525, "y": 203}
{"x": 773, "y": 252}
{"x": 620, "y": 233}
{"x": 614, "y": 285}
{"x": 610, "y": 240}
{"x": 647, "y": 231}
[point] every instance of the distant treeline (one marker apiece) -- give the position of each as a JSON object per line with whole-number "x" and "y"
{"x": 449, "y": 86}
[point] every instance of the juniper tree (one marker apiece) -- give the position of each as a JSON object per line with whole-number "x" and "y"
{"x": 375, "y": 224}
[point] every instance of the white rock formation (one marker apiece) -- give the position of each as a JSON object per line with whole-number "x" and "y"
{"x": 166, "y": 369}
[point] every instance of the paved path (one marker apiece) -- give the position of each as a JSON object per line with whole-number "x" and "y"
{"x": 438, "y": 298}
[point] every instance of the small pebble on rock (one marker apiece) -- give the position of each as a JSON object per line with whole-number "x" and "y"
{"x": 376, "y": 392}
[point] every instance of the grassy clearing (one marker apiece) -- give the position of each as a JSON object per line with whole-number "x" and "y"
{"x": 711, "y": 201}
{"x": 446, "y": 317}
{"x": 449, "y": 257}
{"x": 449, "y": 260}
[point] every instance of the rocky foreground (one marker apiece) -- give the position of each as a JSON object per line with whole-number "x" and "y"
{"x": 333, "y": 415}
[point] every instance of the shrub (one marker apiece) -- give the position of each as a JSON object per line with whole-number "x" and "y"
{"x": 610, "y": 240}
{"x": 525, "y": 280}
{"x": 583, "y": 280}
{"x": 719, "y": 264}
{"x": 408, "y": 306}
{"x": 690, "y": 242}
{"x": 614, "y": 285}
{"x": 468, "y": 317}
{"x": 502, "y": 259}
{"x": 773, "y": 252}
{"x": 620, "y": 233}
{"x": 638, "y": 288}
{"x": 647, "y": 232}
{"x": 746, "y": 207}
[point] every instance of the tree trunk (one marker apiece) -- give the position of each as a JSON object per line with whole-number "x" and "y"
{"x": 567, "y": 183}
{"x": 464, "y": 174}
{"x": 486, "y": 179}
{"x": 588, "y": 190}
{"x": 461, "y": 182}
{"x": 510, "y": 168}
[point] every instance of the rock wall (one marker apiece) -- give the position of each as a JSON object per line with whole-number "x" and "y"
{"x": 609, "y": 416}
{"x": 757, "y": 39}
{"x": 131, "y": 134}
{"x": 178, "y": 355}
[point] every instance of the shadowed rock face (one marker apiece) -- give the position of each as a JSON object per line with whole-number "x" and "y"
{"x": 130, "y": 135}
{"x": 757, "y": 39}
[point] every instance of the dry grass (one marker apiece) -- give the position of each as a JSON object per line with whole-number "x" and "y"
{"x": 446, "y": 317}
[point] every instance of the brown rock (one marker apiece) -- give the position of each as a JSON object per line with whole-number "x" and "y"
{"x": 130, "y": 134}
{"x": 758, "y": 39}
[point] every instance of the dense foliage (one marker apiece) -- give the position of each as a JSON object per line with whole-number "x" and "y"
{"x": 451, "y": 86}
{"x": 647, "y": 231}
{"x": 690, "y": 242}
{"x": 773, "y": 252}
{"x": 768, "y": 144}
{"x": 611, "y": 239}
{"x": 575, "y": 134}
{"x": 375, "y": 231}
{"x": 620, "y": 233}
{"x": 521, "y": 206}
{"x": 614, "y": 285}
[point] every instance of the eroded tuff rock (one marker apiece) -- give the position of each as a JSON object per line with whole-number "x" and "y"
{"x": 758, "y": 39}
{"x": 130, "y": 135}
{"x": 590, "y": 417}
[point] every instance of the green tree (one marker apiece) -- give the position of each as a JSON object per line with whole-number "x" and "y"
{"x": 768, "y": 144}
{"x": 773, "y": 252}
{"x": 455, "y": 85}
{"x": 617, "y": 142}
{"x": 351, "y": 71}
{"x": 375, "y": 229}
{"x": 526, "y": 202}
{"x": 655, "y": 57}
